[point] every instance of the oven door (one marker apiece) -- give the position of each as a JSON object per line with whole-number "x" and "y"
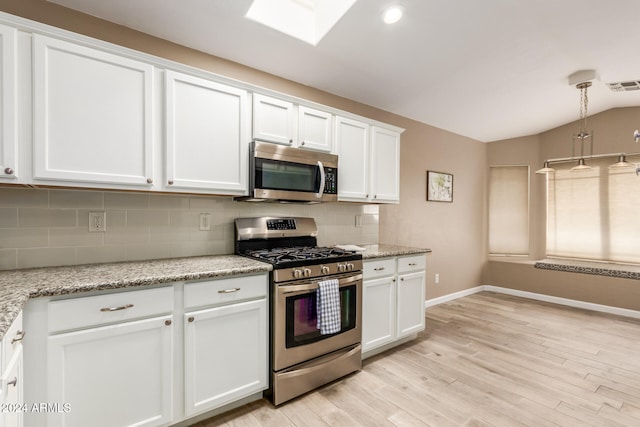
{"x": 296, "y": 338}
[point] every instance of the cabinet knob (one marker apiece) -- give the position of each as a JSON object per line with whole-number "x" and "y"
{"x": 191, "y": 319}
{"x": 302, "y": 143}
{"x": 170, "y": 182}
{"x": 13, "y": 382}
{"x": 19, "y": 336}
{"x": 149, "y": 180}
{"x": 8, "y": 171}
{"x": 167, "y": 322}
{"x": 291, "y": 141}
{"x": 375, "y": 196}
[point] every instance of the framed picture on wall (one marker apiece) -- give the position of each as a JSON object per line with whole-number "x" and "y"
{"x": 439, "y": 187}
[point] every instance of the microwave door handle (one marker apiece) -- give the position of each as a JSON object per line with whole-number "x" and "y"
{"x": 322, "y": 177}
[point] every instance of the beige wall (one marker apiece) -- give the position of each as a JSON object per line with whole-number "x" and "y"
{"x": 455, "y": 231}
{"x": 613, "y": 131}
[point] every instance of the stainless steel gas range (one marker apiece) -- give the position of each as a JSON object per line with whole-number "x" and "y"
{"x": 304, "y": 356}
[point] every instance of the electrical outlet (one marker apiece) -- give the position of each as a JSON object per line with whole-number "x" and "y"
{"x": 358, "y": 221}
{"x": 205, "y": 222}
{"x": 437, "y": 278}
{"x": 97, "y": 221}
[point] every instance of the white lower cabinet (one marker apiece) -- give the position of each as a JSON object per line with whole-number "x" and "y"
{"x": 118, "y": 375}
{"x": 150, "y": 357}
{"x": 392, "y": 301}
{"x": 225, "y": 354}
{"x": 12, "y": 403}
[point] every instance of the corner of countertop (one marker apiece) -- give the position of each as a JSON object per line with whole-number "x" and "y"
{"x": 382, "y": 250}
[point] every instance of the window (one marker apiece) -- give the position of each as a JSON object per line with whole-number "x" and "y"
{"x": 593, "y": 214}
{"x": 509, "y": 210}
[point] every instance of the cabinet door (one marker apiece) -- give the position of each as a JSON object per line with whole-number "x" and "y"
{"x": 12, "y": 393}
{"x": 378, "y": 312}
{"x": 206, "y": 135}
{"x": 315, "y": 129}
{"x": 118, "y": 375}
{"x": 225, "y": 354}
{"x": 93, "y": 114}
{"x": 8, "y": 105}
{"x": 411, "y": 294}
{"x": 385, "y": 165}
{"x": 352, "y": 146}
{"x": 272, "y": 119}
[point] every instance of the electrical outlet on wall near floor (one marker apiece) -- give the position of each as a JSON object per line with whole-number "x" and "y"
{"x": 437, "y": 278}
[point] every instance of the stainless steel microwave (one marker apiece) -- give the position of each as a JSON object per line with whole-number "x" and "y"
{"x": 289, "y": 174}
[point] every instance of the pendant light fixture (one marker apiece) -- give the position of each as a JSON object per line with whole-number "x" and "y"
{"x": 583, "y": 136}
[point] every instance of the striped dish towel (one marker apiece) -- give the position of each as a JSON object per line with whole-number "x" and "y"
{"x": 328, "y": 307}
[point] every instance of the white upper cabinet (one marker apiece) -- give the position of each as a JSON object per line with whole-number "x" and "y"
{"x": 385, "y": 165}
{"x": 369, "y": 162}
{"x": 93, "y": 114}
{"x": 8, "y": 105}
{"x": 352, "y": 146}
{"x": 206, "y": 135}
{"x": 315, "y": 129}
{"x": 273, "y": 119}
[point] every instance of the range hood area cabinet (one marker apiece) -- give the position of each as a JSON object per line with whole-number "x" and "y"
{"x": 284, "y": 122}
{"x": 369, "y": 162}
{"x": 90, "y": 114}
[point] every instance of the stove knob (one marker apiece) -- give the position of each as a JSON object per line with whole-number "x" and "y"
{"x": 342, "y": 268}
{"x": 350, "y": 267}
{"x": 325, "y": 270}
{"x": 307, "y": 272}
{"x": 297, "y": 273}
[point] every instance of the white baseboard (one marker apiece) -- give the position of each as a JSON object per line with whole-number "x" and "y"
{"x": 532, "y": 295}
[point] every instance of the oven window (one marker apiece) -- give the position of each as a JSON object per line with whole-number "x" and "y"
{"x": 279, "y": 175}
{"x": 301, "y": 316}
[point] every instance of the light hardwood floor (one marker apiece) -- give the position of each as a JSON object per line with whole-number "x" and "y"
{"x": 484, "y": 360}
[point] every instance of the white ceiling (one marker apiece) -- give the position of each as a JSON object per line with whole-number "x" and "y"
{"x": 488, "y": 70}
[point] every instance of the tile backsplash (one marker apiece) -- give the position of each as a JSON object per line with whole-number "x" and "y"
{"x": 47, "y": 227}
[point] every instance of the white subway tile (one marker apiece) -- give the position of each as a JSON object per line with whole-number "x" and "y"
{"x": 46, "y": 257}
{"x": 23, "y": 238}
{"x": 24, "y": 197}
{"x": 41, "y": 217}
{"x": 74, "y": 237}
{"x": 147, "y": 217}
{"x": 8, "y": 217}
{"x": 168, "y": 201}
{"x": 126, "y": 200}
{"x": 8, "y": 259}
{"x": 100, "y": 254}
{"x": 76, "y": 199}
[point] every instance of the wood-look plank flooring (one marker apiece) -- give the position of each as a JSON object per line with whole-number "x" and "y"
{"x": 484, "y": 360}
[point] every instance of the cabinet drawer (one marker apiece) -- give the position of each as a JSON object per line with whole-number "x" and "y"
{"x": 379, "y": 268}
{"x": 223, "y": 291}
{"x": 83, "y": 312}
{"x": 12, "y": 342}
{"x": 412, "y": 263}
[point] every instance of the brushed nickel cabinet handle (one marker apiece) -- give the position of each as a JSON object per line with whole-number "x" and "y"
{"x": 378, "y": 269}
{"x": 13, "y": 382}
{"x": 412, "y": 264}
{"x": 191, "y": 319}
{"x": 170, "y": 183}
{"x": 167, "y": 322}
{"x": 8, "y": 171}
{"x": 19, "y": 336}
{"x": 228, "y": 291}
{"x": 122, "y": 307}
{"x": 149, "y": 181}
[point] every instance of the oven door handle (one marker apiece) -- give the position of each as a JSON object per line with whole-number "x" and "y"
{"x": 289, "y": 289}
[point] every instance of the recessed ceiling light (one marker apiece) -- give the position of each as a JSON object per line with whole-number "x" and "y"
{"x": 392, "y": 14}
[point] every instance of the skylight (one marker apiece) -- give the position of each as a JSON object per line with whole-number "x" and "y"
{"x": 306, "y": 20}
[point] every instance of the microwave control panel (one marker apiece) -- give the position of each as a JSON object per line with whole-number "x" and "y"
{"x": 330, "y": 180}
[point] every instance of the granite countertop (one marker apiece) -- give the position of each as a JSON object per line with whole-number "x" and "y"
{"x": 17, "y": 286}
{"x": 382, "y": 251}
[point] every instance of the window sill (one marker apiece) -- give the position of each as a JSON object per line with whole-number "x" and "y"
{"x": 586, "y": 267}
